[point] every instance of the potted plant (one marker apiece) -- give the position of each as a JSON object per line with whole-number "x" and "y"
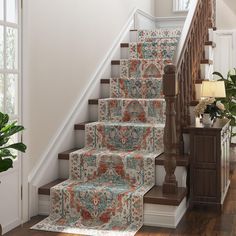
{"x": 7, "y": 147}
{"x": 230, "y": 100}
{"x": 209, "y": 109}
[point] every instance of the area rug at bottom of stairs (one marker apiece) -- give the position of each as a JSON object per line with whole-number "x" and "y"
{"x": 106, "y": 198}
{"x": 55, "y": 225}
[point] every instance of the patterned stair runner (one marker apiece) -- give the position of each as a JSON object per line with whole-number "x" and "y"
{"x": 109, "y": 177}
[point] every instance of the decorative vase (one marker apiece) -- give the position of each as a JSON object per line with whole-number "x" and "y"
{"x": 206, "y": 119}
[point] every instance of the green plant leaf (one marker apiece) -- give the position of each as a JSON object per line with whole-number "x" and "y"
{"x": 6, "y": 153}
{"x": 17, "y": 146}
{"x": 218, "y": 74}
{"x": 11, "y": 130}
{"x": 233, "y": 78}
{"x": 4, "y": 118}
{"x": 5, "y": 164}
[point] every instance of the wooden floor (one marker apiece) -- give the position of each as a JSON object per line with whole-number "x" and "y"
{"x": 195, "y": 222}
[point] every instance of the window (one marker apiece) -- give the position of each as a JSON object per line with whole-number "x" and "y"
{"x": 9, "y": 58}
{"x": 181, "y": 5}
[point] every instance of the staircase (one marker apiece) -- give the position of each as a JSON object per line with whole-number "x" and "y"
{"x": 117, "y": 164}
{"x": 117, "y": 171}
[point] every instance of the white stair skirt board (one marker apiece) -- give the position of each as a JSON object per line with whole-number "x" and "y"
{"x": 154, "y": 214}
{"x": 164, "y": 215}
{"x": 180, "y": 173}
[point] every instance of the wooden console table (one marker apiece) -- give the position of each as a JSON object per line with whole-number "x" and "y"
{"x": 209, "y": 163}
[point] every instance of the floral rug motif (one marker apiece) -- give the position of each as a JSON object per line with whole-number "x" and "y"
{"x": 110, "y": 175}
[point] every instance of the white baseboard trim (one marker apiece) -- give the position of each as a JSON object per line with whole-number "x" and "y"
{"x": 164, "y": 215}
{"x": 10, "y": 226}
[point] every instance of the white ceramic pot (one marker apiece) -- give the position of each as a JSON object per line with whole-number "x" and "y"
{"x": 206, "y": 119}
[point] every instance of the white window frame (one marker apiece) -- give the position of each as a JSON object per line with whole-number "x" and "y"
{"x": 17, "y": 71}
{"x": 177, "y": 6}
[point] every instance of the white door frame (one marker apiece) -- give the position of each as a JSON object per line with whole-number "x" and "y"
{"x": 18, "y": 71}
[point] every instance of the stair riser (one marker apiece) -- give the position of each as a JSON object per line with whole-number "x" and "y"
{"x": 146, "y": 111}
{"x": 138, "y": 69}
{"x": 133, "y": 36}
{"x": 124, "y": 53}
{"x": 91, "y": 165}
{"x": 93, "y": 112}
{"x": 210, "y": 35}
{"x": 154, "y": 214}
{"x": 180, "y": 173}
{"x": 209, "y": 53}
{"x": 136, "y": 88}
{"x": 156, "y": 35}
{"x": 79, "y": 138}
{"x": 163, "y": 215}
{"x": 164, "y": 50}
{"x": 105, "y": 90}
{"x": 127, "y": 138}
{"x": 206, "y": 71}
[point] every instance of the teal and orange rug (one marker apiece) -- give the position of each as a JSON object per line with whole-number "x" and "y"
{"x": 109, "y": 177}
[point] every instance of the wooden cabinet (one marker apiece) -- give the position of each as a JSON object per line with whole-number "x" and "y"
{"x": 209, "y": 163}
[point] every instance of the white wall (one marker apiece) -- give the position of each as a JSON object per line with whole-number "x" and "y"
{"x": 66, "y": 41}
{"x": 226, "y": 14}
{"x": 165, "y": 8}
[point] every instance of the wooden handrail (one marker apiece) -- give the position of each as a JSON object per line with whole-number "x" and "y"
{"x": 185, "y": 71}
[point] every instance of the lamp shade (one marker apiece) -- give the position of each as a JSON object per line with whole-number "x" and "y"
{"x": 215, "y": 89}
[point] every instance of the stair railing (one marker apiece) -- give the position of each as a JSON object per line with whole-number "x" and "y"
{"x": 179, "y": 83}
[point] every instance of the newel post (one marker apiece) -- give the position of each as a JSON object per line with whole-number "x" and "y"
{"x": 170, "y": 90}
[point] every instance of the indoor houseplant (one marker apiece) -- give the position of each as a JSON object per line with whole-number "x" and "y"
{"x": 230, "y": 100}
{"x": 8, "y": 148}
{"x": 209, "y": 109}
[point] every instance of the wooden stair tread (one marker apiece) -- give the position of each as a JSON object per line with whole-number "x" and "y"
{"x": 181, "y": 160}
{"x": 155, "y": 196}
{"x": 207, "y": 61}
{"x": 210, "y": 43}
{"x": 124, "y": 45}
{"x": 81, "y": 126}
{"x": 45, "y": 189}
{"x": 65, "y": 155}
{"x": 93, "y": 101}
{"x": 105, "y": 81}
{"x": 115, "y": 62}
